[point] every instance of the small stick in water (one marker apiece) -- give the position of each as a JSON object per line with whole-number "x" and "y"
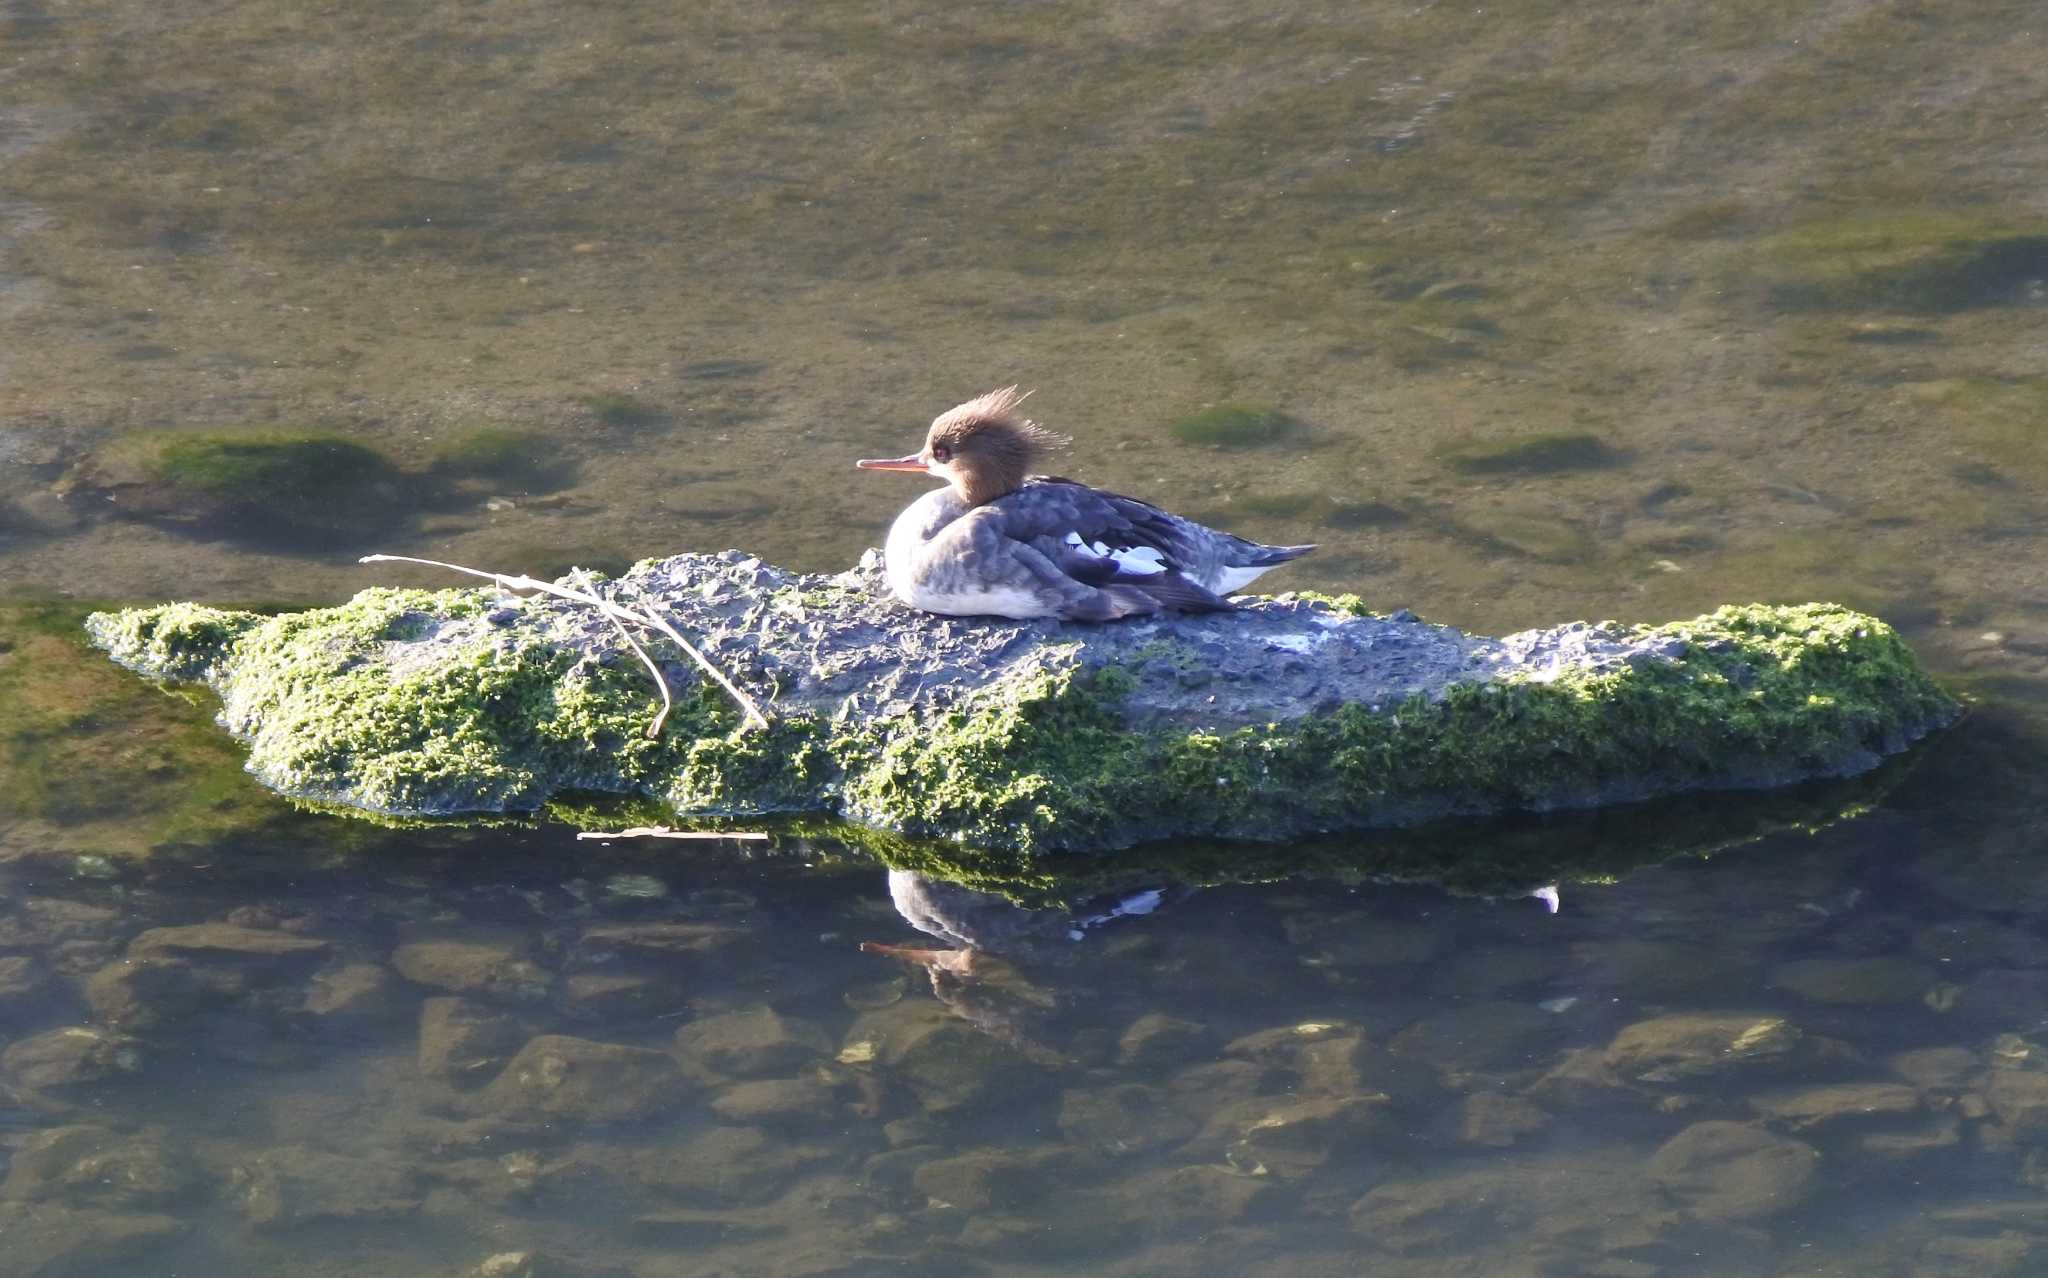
{"x": 663, "y": 832}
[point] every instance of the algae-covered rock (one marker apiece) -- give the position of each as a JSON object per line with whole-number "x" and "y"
{"x": 1287, "y": 716}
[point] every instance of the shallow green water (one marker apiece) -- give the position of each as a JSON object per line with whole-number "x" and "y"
{"x": 1526, "y": 313}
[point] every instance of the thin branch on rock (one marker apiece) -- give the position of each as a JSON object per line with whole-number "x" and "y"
{"x": 618, "y": 612}
{"x": 663, "y": 832}
{"x": 668, "y": 701}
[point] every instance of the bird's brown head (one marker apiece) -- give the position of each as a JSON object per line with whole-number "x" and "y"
{"x": 984, "y": 448}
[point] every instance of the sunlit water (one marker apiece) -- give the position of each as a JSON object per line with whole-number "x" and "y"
{"x": 1571, "y": 311}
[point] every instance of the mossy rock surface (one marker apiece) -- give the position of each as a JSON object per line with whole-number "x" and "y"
{"x": 1290, "y": 716}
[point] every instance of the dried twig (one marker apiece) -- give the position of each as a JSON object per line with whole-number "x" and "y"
{"x": 668, "y": 701}
{"x": 663, "y": 832}
{"x": 639, "y": 617}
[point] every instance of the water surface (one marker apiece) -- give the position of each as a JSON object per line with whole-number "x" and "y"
{"x": 1568, "y": 311}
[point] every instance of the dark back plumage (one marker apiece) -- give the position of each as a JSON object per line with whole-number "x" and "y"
{"x": 1000, "y": 541}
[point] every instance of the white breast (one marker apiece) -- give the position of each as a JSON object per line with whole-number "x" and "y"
{"x": 917, "y": 524}
{"x": 1001, "y": 601}
{"x": 903, "y": 558}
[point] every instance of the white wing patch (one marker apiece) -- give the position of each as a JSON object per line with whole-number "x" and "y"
{"x": 1135, "y": 561}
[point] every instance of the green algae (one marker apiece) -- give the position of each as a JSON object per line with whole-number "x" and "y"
{"x": 505, "y": 451}
{"x": 615, "y": 409}
{"x": 1284, "y": 505}
{"x": 1428, "y": 330}
{"x": 265, "y": 467}
{"x": 1233, "y": 426}
{"x": 1303, "y": 506}
{"x": 1488, "y": 856}
{"x": 2003, "y": 421}
{"x": 284, "y": 484}
{"x": 92, "y": 762}
{"x": 1918, "y": 261}
{"x": 176, "y": 641}
{"x": 1806, "y": 689}
{"x": 1540, "y": 453}
{"x": 1708, "y": 221}
{"x": 1532, "y": 533}
{"x": 1041, "y": 760}
{"x": 500, "y": 725}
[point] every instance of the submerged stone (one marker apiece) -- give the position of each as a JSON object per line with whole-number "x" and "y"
{"x": 49, "y": 1239}
{"x": 76, "y": 1056}
{"x": 85, "y": 1165}
{"x": 1670, "y": 1049}
{"x": 1722, "y": 1171}
{"x": 465, "y": 1044}
{"x": 575, "y": 1079}
{"x": 806, "y": 1102}
{"x": 1029, "y": 736}
{"x": 293, "y": 1186}
{"x": 489, "y": 968}
{"x": 750, "y": 1044}
{"x": 1837, "y": 1105}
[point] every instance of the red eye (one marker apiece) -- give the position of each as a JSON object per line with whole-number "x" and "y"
{"x": 941, "y": 454}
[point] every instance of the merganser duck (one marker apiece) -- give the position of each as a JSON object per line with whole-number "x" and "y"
{"x": 999, "y": 541}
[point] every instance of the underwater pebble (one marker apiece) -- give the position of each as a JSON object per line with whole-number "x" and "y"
{"x": 93, "y": 1165}
{"x": 1724, "y": 1171}
{"x": 291, "y": 1186}
{"x": 74, "y": 1056}
{"x": 753, "y": 1044}
{"x": 1691, "y": 1045}
{"x": 1838, "y": 1104}
{"x": 556, "y": 1076}
{"x": 638, "y": 887}
{"x": 465, "y": 1043}
{"x": 475, "y": 965}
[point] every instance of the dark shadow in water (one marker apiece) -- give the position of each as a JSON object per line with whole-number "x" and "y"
{"x": 354, "y": 505}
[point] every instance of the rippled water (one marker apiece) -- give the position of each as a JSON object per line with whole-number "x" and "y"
{"x": 1569, "y": 311}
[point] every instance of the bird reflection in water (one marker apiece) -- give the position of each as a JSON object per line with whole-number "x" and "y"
{"x": 978, "y": 973}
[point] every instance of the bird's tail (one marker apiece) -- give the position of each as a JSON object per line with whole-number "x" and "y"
{"x": 1272, "y": 556}
{"x": 1167, "y": 592}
